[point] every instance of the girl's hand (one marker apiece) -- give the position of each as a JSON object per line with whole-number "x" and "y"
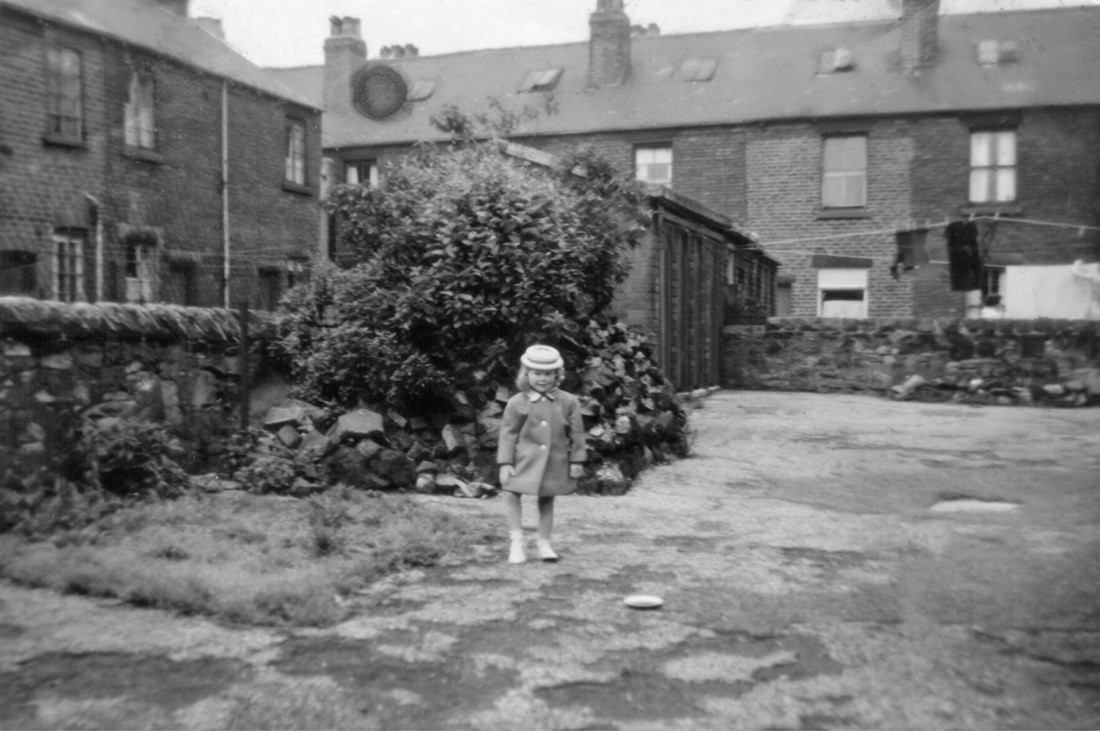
{"x": 576, "y": 471}
{"x": 506, "y": 473}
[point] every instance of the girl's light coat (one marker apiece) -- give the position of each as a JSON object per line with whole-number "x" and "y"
{"x": 541, "y": 436}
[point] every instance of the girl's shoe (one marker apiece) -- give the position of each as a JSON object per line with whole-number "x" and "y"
{"x": 518, "y": 554}
{"x": 546, "y": 553}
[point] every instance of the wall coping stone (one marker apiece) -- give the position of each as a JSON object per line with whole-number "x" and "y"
{"x": 50, "y": 320}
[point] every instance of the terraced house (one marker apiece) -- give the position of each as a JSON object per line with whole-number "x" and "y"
{"x": 143, "y": 160}
{"x": 895, "y": 168}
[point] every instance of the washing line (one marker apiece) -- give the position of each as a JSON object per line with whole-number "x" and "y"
{"x": 938, "y": 224}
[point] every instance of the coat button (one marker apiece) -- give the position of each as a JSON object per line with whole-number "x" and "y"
{"x": 544, "y": 423}
{"x": 542, "y": 446}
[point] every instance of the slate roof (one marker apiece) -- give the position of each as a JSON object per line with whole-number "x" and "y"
{"x": 160, "y": 31}
{"x": 762, "y": 74}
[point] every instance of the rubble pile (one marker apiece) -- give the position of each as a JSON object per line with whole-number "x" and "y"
{"x": 631, "y": 413}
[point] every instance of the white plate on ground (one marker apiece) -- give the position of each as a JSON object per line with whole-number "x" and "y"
{"x": 643, "y": 601}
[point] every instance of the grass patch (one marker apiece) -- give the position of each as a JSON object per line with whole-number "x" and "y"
{"x": 244, "y": 558}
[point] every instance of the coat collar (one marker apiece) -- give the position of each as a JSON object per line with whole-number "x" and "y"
{"x": 534, "y": 395}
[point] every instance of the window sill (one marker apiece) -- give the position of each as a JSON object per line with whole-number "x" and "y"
{"x": 984, "y": 209}
{"x": 842, "y": 213}
{"x": 55, "y": 140}
{"x": 143, "y": 154}
{"x": 297, "y": 188}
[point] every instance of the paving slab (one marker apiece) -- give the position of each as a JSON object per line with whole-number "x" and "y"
{"x": 825, "y": 561}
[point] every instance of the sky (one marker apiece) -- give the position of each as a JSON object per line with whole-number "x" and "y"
{"x": 292, "y": 32}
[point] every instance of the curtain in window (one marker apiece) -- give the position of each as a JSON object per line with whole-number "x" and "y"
{"x": 653, "y": 165}
{"x": 65, "y": 108}
{"x": 138, "y": 112}
{"x": 992, "y": 167}
{"x": 296, "y": 152}
{"x": 844, "y": 181}
{"x": 68, "y": 267}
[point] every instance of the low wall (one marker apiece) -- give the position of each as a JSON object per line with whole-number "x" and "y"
{"x": 1006, "y": 362}
{"x": 164, "y": 363}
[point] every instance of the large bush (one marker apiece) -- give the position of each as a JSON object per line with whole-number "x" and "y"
{"x": 460, "y": 259}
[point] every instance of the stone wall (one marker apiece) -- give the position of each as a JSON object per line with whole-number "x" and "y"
{"x": 1051, "y": 362}
{"x": 163, "y": 363}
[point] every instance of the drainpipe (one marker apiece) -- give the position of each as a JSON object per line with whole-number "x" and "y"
{"x": 98, "y": 246}
{"x": 225, "y": 194}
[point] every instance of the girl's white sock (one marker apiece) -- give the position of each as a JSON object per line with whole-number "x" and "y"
{"x": 517, "y": 554}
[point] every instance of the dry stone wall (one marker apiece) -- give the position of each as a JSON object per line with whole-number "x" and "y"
{"x": 1006, "y": 362}
{"x": 162, "y": 363}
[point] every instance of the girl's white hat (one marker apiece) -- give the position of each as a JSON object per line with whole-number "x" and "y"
{"x": 542, "y": 358}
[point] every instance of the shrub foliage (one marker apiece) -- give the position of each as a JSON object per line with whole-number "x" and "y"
{"x": 459, "y": 260}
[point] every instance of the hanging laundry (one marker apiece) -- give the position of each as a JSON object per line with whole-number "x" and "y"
{"x": 963, "y": 256}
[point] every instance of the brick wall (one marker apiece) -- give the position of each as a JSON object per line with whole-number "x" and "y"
{"x": 176, "y": 191}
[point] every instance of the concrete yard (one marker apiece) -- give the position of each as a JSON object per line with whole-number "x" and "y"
{"x": 825, "y": 561}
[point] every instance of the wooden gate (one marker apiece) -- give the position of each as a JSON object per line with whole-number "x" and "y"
{"x": 691, "y": 300}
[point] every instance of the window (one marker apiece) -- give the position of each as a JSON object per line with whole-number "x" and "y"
{"x": 68, "y": 266}
{"x": 18, "y": 273}
{"x": 65, "y": 94}
{"x": 139, "y": 273}
{"x": 653, "y": 164}
{"x": 296, "y": 152}
{"x": 992, "y": 166}
{"x": 182, "y": 283}
{"x": 844, "y": 176}
{"x": 271, "y": 287}
{"x": 842, "y": 293}
{"x": 295, "y": 270}
{"x": 541, "y": 80}
{"x": 138, "y": 127}
{"x": 698, "y": 69}
{"x": 361, "y": 172}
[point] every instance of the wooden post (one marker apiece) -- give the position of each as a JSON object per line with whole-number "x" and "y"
{"x": 243, "y": 365}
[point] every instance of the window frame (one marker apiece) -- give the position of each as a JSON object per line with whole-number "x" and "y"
{"x": 827, "y": 175}
{"x": 67, "y": 280}
{"x": 356, "y": 166}
{"x": 295, "y": 167}
{"x": 837, "y": 280}
{"x": 654, "y": 147}
{"x": 139, "y": 115}
{"x": 140, "y": 270}
{"x": 18, "y": 273}
{"x": 994, "y": 166}
{"x": 64, "y": 87}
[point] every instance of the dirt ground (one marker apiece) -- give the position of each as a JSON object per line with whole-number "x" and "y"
{"x": 825, "y": 561}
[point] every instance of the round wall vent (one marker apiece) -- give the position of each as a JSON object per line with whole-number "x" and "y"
{"x": 378, "y": 91}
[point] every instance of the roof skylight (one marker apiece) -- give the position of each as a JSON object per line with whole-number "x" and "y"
{"x": 421, "y": 90}
{"x": 698, "y": 69}
{"x": 541, "y": 80}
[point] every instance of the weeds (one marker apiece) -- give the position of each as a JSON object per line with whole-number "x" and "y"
{"x": 261, "y": 560}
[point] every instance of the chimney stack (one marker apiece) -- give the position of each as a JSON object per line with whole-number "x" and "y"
{"x": 609, "y": 44}
{"x": 179, "y": 7}
{"x": 345, "y": 53}
{"x": 919, "y": 33}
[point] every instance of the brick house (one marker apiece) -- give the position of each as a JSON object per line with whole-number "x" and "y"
{"x": 846, "y": 149}
{"x": 143, "y": 160}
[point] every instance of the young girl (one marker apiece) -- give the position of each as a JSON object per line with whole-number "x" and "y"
{"x": 541, "y": 450}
